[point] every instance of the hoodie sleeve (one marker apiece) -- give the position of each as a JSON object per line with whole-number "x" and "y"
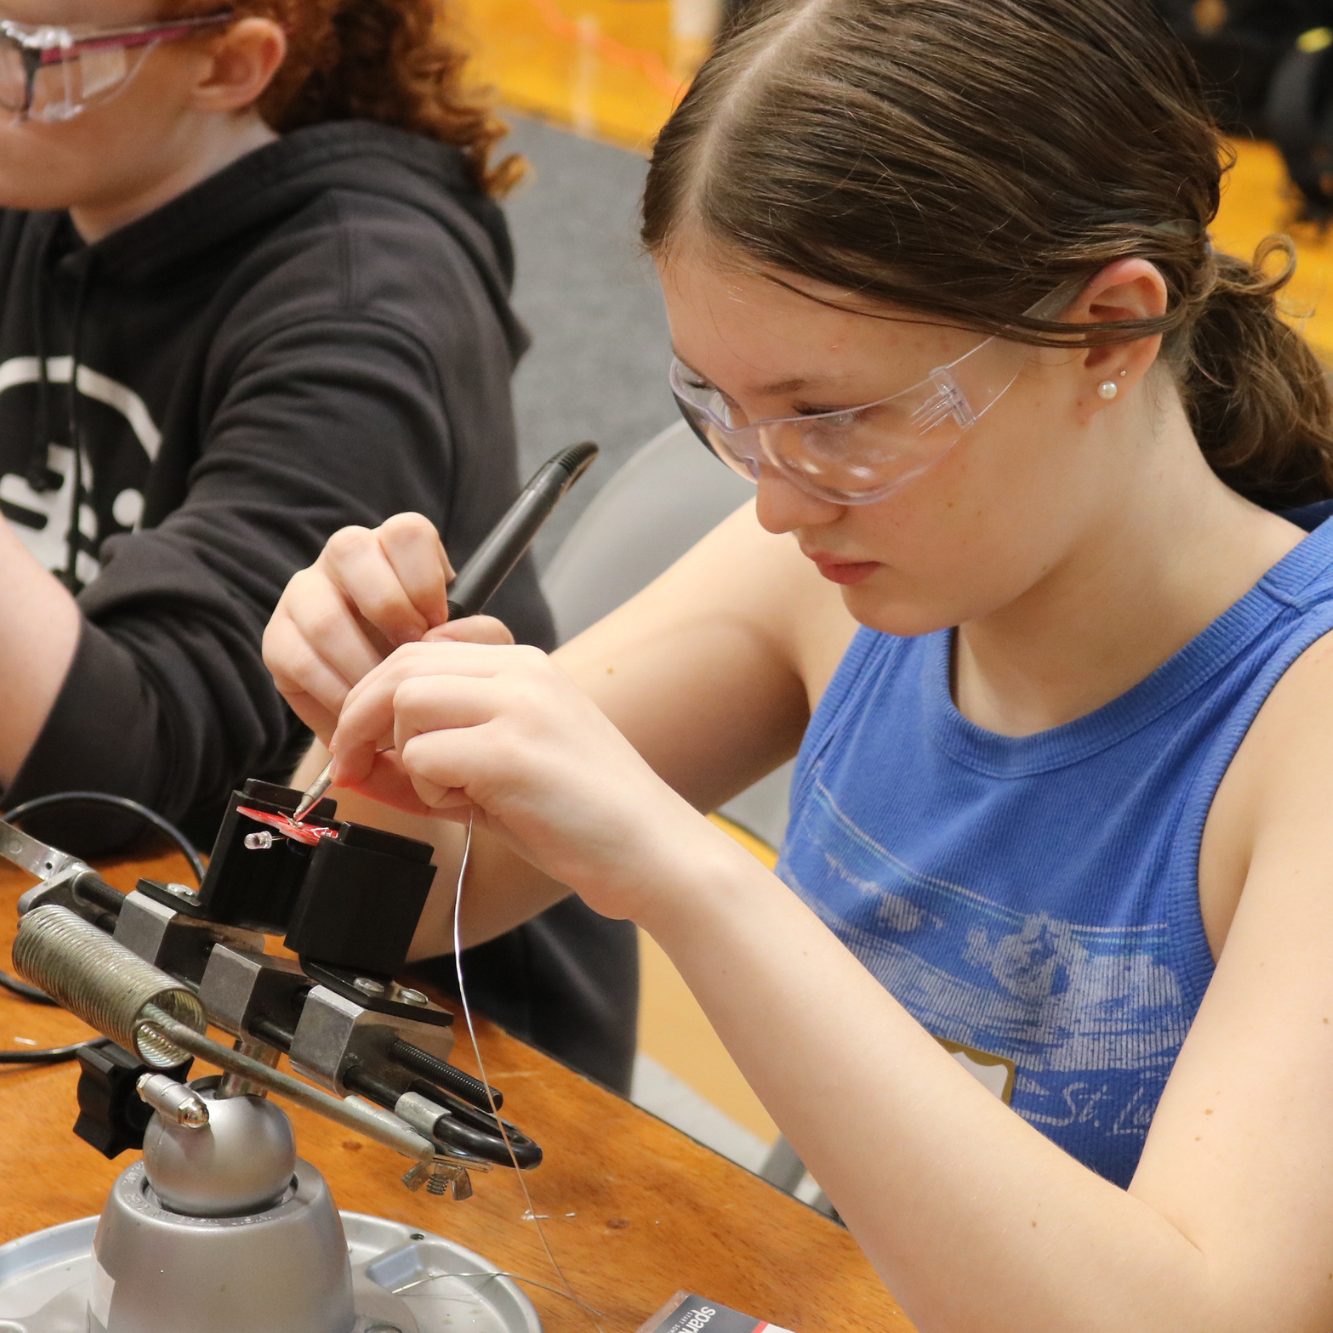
{"x": 330, "y": 421}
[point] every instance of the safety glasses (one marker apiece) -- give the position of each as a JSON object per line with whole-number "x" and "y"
{"x": 861, "y": 454}
{"x": 51, "y": 74}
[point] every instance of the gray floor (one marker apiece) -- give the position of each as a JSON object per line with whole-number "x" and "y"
{"x": 598, "y": 363}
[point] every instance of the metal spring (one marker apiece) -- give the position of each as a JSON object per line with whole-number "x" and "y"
{"x": 102, "y": 982}
{"x": 435, "y": 1070}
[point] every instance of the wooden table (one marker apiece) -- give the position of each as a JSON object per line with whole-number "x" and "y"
{"x": 636, "y": 1209}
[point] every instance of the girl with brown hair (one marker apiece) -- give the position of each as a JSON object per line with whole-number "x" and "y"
{"x": 1041, "y": 991}
{"x": 256, "y": 290}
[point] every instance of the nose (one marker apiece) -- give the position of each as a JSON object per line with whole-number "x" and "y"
{"x": 782, "y": 507}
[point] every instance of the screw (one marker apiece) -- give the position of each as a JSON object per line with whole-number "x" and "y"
{"x": 440, "y": 1176}
{"x": 258, "y": 842}
{"x": 184, "y": 891}
{"x": 409, "y": 996}
{"x": 368, "y": 986}
{"x": 449, "y": 1177}
{"x": 173, "y": 1101}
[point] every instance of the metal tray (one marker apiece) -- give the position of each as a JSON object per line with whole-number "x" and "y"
{"x": 44, "y": 1282}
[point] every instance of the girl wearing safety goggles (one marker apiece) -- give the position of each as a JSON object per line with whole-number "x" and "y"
{"x": 1041, "y": 989}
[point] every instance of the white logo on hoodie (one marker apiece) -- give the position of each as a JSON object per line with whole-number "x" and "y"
{"x": 45, "y": 525}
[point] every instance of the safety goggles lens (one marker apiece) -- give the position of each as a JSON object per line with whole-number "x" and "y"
{"x": 51, "y": 74}
{"x": 865, "y": 453}
{"x": 50, "y": 84}
{"x": 13, "y": 79}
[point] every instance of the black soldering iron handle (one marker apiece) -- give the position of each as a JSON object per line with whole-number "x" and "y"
{"x": 504, "y": 545}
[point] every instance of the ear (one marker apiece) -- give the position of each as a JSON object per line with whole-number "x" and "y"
{"x": 242, "y": 64}
{"x": 1128, "y": 289}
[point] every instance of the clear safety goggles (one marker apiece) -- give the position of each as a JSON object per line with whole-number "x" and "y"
{"x": 857, "y": 455}
{"x": 51, "y": 74}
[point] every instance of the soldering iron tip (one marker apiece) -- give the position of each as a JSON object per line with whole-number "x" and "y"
{"x": 313, "y": 793}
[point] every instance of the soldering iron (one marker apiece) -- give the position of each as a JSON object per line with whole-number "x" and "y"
{"x": 500, "y": 550}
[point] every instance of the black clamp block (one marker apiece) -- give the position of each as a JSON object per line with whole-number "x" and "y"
{"x": 361, "y": 900}
{"x": 112, "y": 1116}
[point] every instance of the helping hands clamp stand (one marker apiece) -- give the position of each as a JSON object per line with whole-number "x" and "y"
{"x": 221, "y": 1226}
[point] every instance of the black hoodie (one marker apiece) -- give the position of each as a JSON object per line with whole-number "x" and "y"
{"x": 318, "y": 335}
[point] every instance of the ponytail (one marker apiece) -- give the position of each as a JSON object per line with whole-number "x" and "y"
{"x": 1257, "y": 396}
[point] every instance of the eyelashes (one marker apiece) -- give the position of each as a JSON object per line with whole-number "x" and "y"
{"x": 835, "y": 416}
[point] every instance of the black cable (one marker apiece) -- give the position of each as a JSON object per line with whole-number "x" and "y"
{"x": 22, "y": 988}
{"x": 51, "y": 1056}
{"x": 126, "y": 803}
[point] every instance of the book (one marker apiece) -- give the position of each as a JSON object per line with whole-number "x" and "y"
{"x": 688, "y": 1313}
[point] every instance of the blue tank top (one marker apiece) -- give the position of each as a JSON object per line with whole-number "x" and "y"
{"x": 1033, "y": 902}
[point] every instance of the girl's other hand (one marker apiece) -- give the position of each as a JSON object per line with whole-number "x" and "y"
{"x": 503, "y": 735}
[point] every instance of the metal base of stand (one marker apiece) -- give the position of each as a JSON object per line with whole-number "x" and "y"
{"x": 403, "y": 1281}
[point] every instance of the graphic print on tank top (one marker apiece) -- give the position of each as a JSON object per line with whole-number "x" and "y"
{"x": 1092, "y": 1017}
{"x": 1036, "y": 898}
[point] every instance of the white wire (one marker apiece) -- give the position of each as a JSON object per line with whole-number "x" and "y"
{"x": 494, "y": 1273}
{"x": 490, "y": 1097}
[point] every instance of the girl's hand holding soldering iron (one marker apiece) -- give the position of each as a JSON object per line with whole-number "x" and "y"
{"x": 501, "y": 734}
{"x": 370, "y": 591}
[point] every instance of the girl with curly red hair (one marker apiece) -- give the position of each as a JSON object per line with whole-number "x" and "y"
{"x": 256, "y": 291}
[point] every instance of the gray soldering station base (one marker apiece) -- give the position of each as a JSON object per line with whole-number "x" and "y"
{"x": 401, "y": 1280}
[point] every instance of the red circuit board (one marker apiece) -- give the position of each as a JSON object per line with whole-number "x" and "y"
{"x": 310, "y": 834}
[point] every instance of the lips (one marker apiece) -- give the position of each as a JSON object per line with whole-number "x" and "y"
{"x": 844, "y": 571}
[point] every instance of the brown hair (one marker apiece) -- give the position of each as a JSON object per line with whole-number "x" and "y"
{"x": 390, "y": 61}
{"x": 965, "y": 160}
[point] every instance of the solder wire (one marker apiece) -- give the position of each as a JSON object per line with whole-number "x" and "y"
{"x": 481, "y": 1070}
{"x": 491, "y": 1274}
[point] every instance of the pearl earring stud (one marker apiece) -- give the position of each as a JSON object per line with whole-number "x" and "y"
{"x": 1108, "y": 389}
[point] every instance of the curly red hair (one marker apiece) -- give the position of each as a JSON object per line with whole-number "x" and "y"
{"x": 391, "y": 61}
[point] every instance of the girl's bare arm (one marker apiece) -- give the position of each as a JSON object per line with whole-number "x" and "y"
{"x": 974, "y": 1219}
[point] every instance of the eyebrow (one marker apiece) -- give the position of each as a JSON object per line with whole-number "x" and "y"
{"x": 790, "y": 385}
